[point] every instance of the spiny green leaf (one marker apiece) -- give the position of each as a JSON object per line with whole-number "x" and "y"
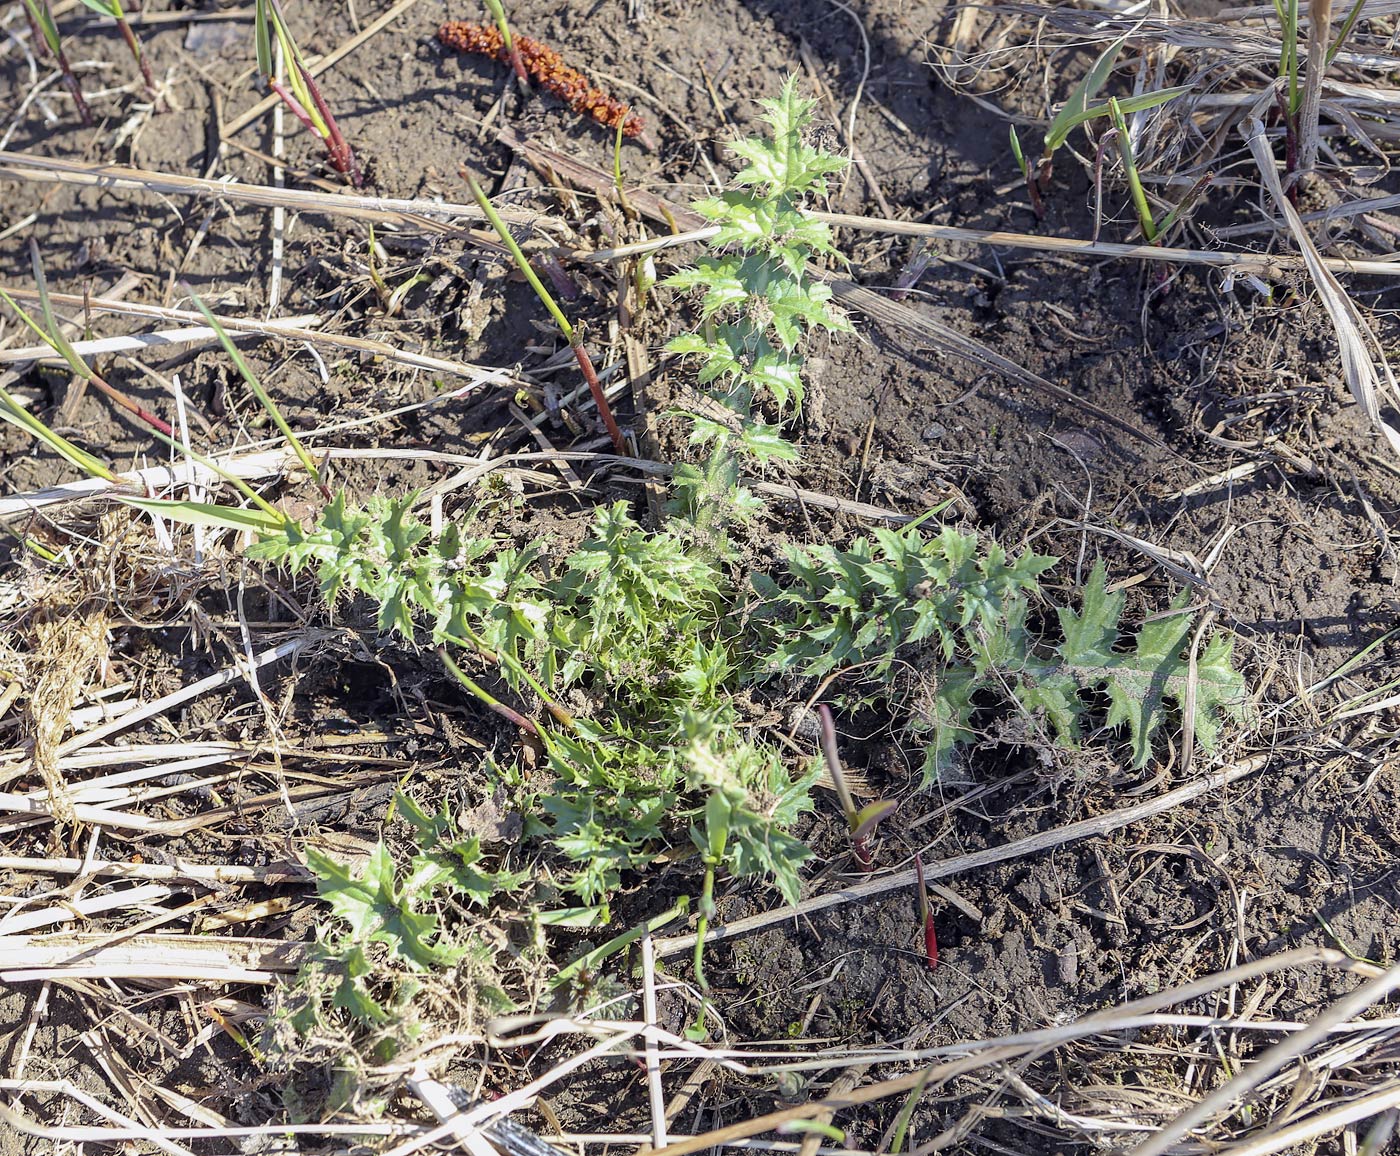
{"x": 376, "y": 910}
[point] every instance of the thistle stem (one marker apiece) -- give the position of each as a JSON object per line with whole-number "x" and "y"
{"x": 705, "y": 908}
{"x": 488, "y": 700}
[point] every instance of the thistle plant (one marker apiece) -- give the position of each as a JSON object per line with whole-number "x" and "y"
{"x": 299, "y": 90}
{"x": 758, "y": 299}
{"x": 959, "y": 614}
{"x": 657, "y": 646}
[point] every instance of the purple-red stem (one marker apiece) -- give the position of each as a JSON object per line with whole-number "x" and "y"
{"x": 585, "y": 363}
{"x": 337, "y": 148}
{"x": 342, "y": 155}
{"x": 926, "y": 915}
{"x": 130, "y": 37}
{"x": 70, "y": 82}
{"x": 518, "y": 63}
{"x": 291, "y": 102}
{"x": 120, "y": 399}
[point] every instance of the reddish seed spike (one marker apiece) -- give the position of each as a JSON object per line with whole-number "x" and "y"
{"x": 546, "y": 69}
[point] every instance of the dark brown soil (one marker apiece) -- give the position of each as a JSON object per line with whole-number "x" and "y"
{"x": 1302, "y": 851}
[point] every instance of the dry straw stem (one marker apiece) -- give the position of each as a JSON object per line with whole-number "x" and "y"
{"x": 987, "y": 1053}
{"x": 271, "y": 463}
{"x": 129, "y": 1129}
{"x": 138, "y": 342}
{"x": 1233, "y": 1092}
{"x": 213, "y": 959}
{"x": 1231, "y": 261}
{"x": 241, "y": 326}
{"x": 151, "y": 480}
{"x": 1356, "y": 339}
{"x": 421, "y": 215}
{"x": 1319, "y": 33}
{"x": 213, "y": 874}
{"x": 942, "y": 869}
{"x": 22, "y": 919}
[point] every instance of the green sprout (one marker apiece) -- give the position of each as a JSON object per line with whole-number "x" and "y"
{"x": 572, "y": 335}
{"x": 300, "y": 92}
{"x": 113, "y": 9}
{"x": 498, "y": 14}
{"x": 41, "y": 23}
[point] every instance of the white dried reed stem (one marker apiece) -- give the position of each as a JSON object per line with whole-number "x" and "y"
{"x": 215, "y": 959}
{"x": 1319, "y": 33}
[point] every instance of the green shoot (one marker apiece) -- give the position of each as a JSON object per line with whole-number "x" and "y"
{"x": 1347, "y": 25}
{"x": 571, "y": 335}
{"x": 41, "y": 23}
{"x": 264, "y": 399}
{"x": 621, "y": 191}
{"x": 1079, "y": 108}
{"x": 491, "y": 702}
{"x": 1288, "y": 53}
{"x": 303, "y": 96}
{"x": 51, "y": 334}
{"x": 1135, "y": 189}
{"x": 1032, "y": 186}
{"x": 758, "y": 299}
{"x": 113, "y": 9}
{"x": 498, "y": 14}
{"x": 591, "y": 959}
{"x": 906, "y": 1113}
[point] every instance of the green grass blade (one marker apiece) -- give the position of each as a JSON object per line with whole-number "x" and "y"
{"x": 55, "y": 338}
{"x": 498, "y": 14}
{"x": 308, "y": 463}
{"x": 16, "y": 414}
{"x": 1347, "y": 26}
{"x": 1127, "y": 105}
{"x": 1083, "y": 93}
{"x": 39, "y": 11}
{"x": 1139, "y": 195}
{"x": 1017, "y": 153}
{"x": 110, "y": 8}
{"x": 209, "y": 514}
{"x": 262, "y": 39}
{"x": 522, "y": 263}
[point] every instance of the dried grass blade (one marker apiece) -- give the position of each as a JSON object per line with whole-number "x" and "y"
{"x": 1318, "y": 37}
{"x": 1355, "y": 337}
